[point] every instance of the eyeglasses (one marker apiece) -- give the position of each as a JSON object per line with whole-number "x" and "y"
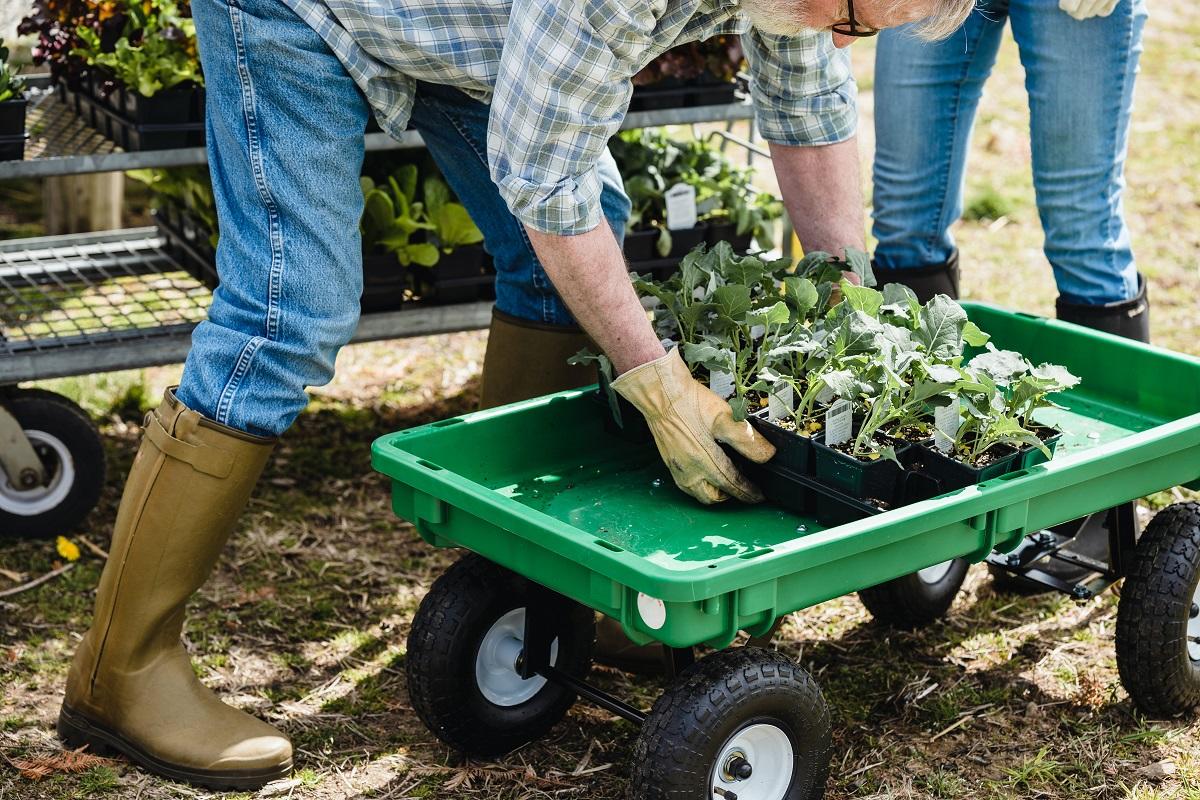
{"x": 850, "y": 27}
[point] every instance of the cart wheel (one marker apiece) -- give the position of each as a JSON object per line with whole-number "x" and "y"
{"x": 1158, "y": 618}
{"x": 70, "y": 447}
{"x": 463, "y": 649}
{"x": 919, "y": 599}
{"x": 743, "y": 723}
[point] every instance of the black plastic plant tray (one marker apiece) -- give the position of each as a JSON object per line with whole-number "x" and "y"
{"x": 12, "y": 148}
{"x": 109, "y": 119}
{"x": 194, "y": 254}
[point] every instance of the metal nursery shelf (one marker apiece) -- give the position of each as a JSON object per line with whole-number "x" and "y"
{"x": 60, "y": 143}
{"x": 84, "y": 303}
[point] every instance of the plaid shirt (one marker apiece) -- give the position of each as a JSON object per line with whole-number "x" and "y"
{"x": 557, "y": 75}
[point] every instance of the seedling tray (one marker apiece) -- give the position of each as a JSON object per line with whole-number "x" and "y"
{"x": 542, "y": 488}
{"x": 110, "y": 117}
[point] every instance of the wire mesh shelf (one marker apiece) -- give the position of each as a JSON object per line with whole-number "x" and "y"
{"x": 78, "y": 304}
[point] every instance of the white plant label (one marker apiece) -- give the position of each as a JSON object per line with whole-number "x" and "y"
{"x": 757, "y": 331}
{"x": 839, "y": 422}
{"x": 652, "y": 610}
{"x": 780, "y": 402}
{"x": 721, "y": 383}
{"x": 681, "y": 207}
{"x": 824, "y": 396}
{"x": 945, "y": 426}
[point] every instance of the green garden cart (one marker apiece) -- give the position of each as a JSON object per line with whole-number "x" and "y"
{"x": 563, "y": 519}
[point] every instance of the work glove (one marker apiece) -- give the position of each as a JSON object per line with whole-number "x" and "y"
{"x": 1085, "y": 9}
{"x": 687, "y": 420}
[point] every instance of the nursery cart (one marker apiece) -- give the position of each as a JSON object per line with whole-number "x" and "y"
{"x": 563, "y": 518}
{"x": 86, "y": 303}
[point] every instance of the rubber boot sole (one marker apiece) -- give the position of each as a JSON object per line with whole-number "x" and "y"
{"x": 76, "y": 730}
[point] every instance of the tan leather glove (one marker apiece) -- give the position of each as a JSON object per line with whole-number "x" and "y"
{"x": 687, "y": 421}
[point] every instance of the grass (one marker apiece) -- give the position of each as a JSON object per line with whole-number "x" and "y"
{"x": 304, "y": 622}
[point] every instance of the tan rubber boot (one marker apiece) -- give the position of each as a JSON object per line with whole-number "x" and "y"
{"x": 131, "y": 688}
{"x": 527, "y": 359}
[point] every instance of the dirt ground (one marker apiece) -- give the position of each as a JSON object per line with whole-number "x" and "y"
{"x": 304, "y": 622}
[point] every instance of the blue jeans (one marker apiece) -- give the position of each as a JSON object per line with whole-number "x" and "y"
{"x": 1079, "y": 76}
{"x": 285, "y": 130}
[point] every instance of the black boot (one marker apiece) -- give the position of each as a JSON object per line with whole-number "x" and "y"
{"x": 1130, "y": 319}
{"x": 924, "y": 281}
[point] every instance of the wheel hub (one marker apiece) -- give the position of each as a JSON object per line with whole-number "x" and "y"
{"x": 38, "y": 498}
{"x": 756, "y": 763}
{"x": 497, "y": 664}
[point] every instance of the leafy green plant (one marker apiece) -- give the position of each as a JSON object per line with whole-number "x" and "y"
{"x": 10, "y": 85}
{"x": 392, "y": 214}
{"x": 155, "y": 51}
{"x": 452, "y": 225}
{"x": 809, "y": 337}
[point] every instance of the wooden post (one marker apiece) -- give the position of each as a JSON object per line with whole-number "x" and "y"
{"x": 83, "y": 203}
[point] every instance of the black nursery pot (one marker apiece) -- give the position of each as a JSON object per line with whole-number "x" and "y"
{"x": 12, "y": 129}
{"x": 951, "y": 474}
{"x": 640, "y": 245}
{"x": 717, "y": 94}
{"x": 174, "y": 106}
{"x": 793, "y": 452}
{"x": 459, "y": 276}
{"x": 1031, "y": 456}
{"x": 878, "y": 480}
{"x": 684, "y": 241}
{"x": 384, "y": 281}
{"x": 727, "y": 232}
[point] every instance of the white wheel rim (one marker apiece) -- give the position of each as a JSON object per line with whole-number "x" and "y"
{"x": 1193, "y": 627}
{"x": 768, "y": 750}
{"x": 496, "y": 663}
{"x": 936, "y": 573}
{"x": 40, "y": 499}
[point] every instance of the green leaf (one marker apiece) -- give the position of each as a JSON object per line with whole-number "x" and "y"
{"x": 740, "y": 406}
{"x": 732, "y": 302}
{"x": 404, "y": 182}
{"x": 663, "y": 245}
{"x": 436, "y": 194}
{"x": 974, "y": 336}
{"x": 1002, "y": 366}
{"x": 1059, "y": 377}
{"x": 770, "y": 317}
{"x": 861, "y": 298}
{"x": 800, "y": 294}
{"x": 900, "y": 300}
{"x": 860, "y": 265}
{"x": 454, "y": 227}
{"x": 424, "y": 254}
{"x": 942, "y": 322}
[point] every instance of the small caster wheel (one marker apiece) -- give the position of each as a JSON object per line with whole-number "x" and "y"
{"x": 463, "y": 654}
{"x": 1158, "y": 618}
{"x": 741, "y": 724}
{"x": 918, "y": 599}
{"x": 72, "y": 452}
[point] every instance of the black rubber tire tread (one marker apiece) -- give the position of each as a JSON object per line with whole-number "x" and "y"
{"x": 1152, "y": 615}
{"x": 710, "y": 701}
{"x": 461, "y": 606}
{"x": 909, "y": 603}
{"x": 38, "y": 409}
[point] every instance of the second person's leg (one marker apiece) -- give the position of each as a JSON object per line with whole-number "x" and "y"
{"x": 926, "y": 94}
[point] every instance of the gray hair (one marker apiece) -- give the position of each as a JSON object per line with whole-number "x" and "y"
{"x": 946, "y": 17}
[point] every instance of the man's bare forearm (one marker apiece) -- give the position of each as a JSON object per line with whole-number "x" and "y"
{"x": 588, "y": 270}
{"x": 822, "y": 189}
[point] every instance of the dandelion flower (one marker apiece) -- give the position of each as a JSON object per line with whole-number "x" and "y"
{"x": 67, "y": 549}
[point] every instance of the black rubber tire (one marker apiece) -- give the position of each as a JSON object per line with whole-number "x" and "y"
{"x": 1152, "y": 617}
{"x": 461, "y": 607}
{"x": 908, "y": 602}
{"x": 40, "y": 411}
{"x": 714, "y": 699}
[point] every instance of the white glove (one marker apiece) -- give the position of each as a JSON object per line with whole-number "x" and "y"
{"x": 1085, "y": 9}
